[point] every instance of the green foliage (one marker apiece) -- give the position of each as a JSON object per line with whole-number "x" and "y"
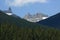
{"x": 12, "y": 32}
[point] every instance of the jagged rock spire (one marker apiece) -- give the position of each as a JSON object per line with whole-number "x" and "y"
{"x": 28, "y": 16}
{"x": 10, "y": 10}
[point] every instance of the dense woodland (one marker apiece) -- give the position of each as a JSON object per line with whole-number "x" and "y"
{"x": 12, "y": 32}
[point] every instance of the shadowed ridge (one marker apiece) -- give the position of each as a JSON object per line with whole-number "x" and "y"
{"x": 52, "y": 21}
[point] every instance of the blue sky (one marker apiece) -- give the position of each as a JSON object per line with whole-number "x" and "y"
{"x": 22, "y": 7}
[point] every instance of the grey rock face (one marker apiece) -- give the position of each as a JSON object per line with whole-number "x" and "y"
{"x": 35, "y": 18}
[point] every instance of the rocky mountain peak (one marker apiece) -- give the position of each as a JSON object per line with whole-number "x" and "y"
{"x": 35, "y": 18}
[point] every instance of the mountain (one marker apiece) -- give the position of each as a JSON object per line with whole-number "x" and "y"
{"x": 16, "y": 28}
{"x": 35, "y": 18}
{"x": 53, "y": 21}
{"x": 12, "y": 20}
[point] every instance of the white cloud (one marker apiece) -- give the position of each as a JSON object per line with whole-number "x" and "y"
{"x": 22, "y": 2}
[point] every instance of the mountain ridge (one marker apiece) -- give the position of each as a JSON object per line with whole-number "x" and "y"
{"x": 4, "y": 18}
{"x": 53, "y": 21}
{"x": 36, "y": 17}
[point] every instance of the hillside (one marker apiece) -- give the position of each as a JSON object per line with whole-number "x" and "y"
{"x": 15, "y": 28}
{"x": 4, "y": 18}
{"x": 53, "y": 21}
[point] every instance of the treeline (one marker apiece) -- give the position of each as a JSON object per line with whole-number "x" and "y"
{"x": 12, "y": 32}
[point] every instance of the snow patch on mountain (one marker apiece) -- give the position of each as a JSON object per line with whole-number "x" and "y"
{"x": 9, "y": 13}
